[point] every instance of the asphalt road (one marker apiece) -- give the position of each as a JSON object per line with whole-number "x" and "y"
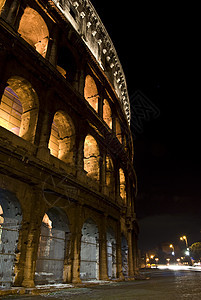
{"x": 158, "y": 285}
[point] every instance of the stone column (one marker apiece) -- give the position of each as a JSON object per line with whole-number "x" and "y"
{"x": 43, "y": 132}
{"x": 53, "y": 46}
{"x": 76, "y": 245}
{"x": 130, "y": 254}
{"x": 76, "y": 248}
{"x": 10, "y": 11}
{"x": 103, "y": 173}
{"x": 3, "y": 77}
{"x": 103, "y": 274}
{"x": 135, "y": 253}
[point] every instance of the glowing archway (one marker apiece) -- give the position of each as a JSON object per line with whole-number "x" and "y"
{"x": 34, "y": 30}
{"x": 107, "y": 113}
{"x": 91, "y": 157}
{"x": 91, "y": 92}
{"x": 62, "y": 138}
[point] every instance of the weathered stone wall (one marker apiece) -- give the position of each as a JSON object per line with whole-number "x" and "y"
{"x": 83, "y": 181}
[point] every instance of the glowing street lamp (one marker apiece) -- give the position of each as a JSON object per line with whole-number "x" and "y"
{"x": 184, "y": 238}
{"x": 171, "y": 246}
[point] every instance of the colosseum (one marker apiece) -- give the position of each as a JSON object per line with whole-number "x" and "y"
{"x": 67, "y": 181}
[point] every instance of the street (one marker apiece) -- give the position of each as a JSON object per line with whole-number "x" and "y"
{"x": 157, "y": 284}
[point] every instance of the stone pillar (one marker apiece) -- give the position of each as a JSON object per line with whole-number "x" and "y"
{"x": 43, "y": 132}
{"x": 53, "y": 46}
{"x": 76, "y": 248}
{"x": 103, "y": 274}
{"x": 135, "y": 254}
{"x": 130, "y": 254}
{"x": 3, "y": 77}
{"x": 103, "y": 172}
{"x": 100, "y": 106}
{"x": 119, "y": 255}
{"x": 10, "y": 10}
{"x": 76, "y": 245}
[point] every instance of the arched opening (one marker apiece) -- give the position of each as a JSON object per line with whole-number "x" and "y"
{"x": 91, "y": 157}
{"x": 10, "y": 222}
{"x": 110, "y": 178}
{"x": 107, "y": 113}
{"x": 89, "y": 256}
{"x": 34, "y": 30}
{"x": 111, "y": 253}
{"x": 66, "y": 64}
{"x": 19, "y": 108}
{"x": 52, "y": 247}
{"x": 118, "y": 131}
{"x": 2, "y": 2}
{"x": 122, "y": 187}
{"x": 91, "y": 92}
{"x": 124, "y": 255}
{"x": 62, "y": 138}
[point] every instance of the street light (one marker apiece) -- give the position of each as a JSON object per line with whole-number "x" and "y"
{"x": 171, "y": 246}
{"x": 184, "y": 238}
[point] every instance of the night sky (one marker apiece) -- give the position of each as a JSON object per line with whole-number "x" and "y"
{"x": 158, "y": 48}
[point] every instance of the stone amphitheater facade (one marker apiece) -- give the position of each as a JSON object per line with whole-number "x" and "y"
{"x": 67, "y": 181}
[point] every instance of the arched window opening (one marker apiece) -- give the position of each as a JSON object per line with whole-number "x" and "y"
{"x": 110, "y": 178}
{"x": 11, "y": 111}
{"x": 111, "y": 253}
{"x": 122, "y": 182}
{"x": 19, "y": 108}
{"x": 118, "y": 131}
{"x": 91, "y": 92}
{"x": 66, "y": 64}
{"x": 124, "y": 255}
{"x": 107, "y": 113}
{"x": 34, "y": 30}
{"x": 91, "y": 157}
{"x": 10, "y": 222}
{"x": 62, "y": 138}
{"x": 52, "y": 246}
{"x": 2, "y": 3}
{"x": 89, "y": 256}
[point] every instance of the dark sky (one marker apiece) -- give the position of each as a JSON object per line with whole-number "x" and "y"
{"x": 158, "y": 47}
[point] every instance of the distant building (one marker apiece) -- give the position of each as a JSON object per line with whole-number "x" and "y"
{"x": 67, "y": 182}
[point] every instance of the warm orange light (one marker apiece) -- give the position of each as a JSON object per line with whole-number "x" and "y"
{"x": 171, "y": 246}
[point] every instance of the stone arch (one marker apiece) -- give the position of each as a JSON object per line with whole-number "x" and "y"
{"x": 124, "y": 255}
{"x": 54, "y": 236}
{"x": 118, "y": 130}
{"x": 62, "y": 138}
{"x": 110, "y": 177}
{"x": 91, "y": 157}
{"x": 2, "y": 3}
{"x": 107, "y": 113}
{"x": 111, "y": 253}
{"x": 91, "y": 92}
{"x": 34, "y": 30}
{"x": 89, "y": 256}
{"x": 122, "y": 186}
{"x": 10, "y": 223}
{"x": 19, "y": 108}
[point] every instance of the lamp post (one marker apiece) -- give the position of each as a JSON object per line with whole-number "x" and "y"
{"x": 184, "y": 238}
{"x": 171, "y": 246}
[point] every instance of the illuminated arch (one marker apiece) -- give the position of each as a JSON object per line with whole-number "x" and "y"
{"x": 91, "y": 157}
{"x": 91, "y": 92}
{"x": 89, "y": 255}
{"x": 122, "y": 186}
{"x": 34, "y": 30}
{"x": 118, "y": 131}
{"x": 19, "y": 108}
{"x": 111, "y": 253}
{"x": 107, "y": 113}
{"x": 10, "y": 224}
{"x": 62, "y": 138}
{"x": 52, "y": 244}
{"x": 110, "y": 178}
{"x": 2, "y": 3}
